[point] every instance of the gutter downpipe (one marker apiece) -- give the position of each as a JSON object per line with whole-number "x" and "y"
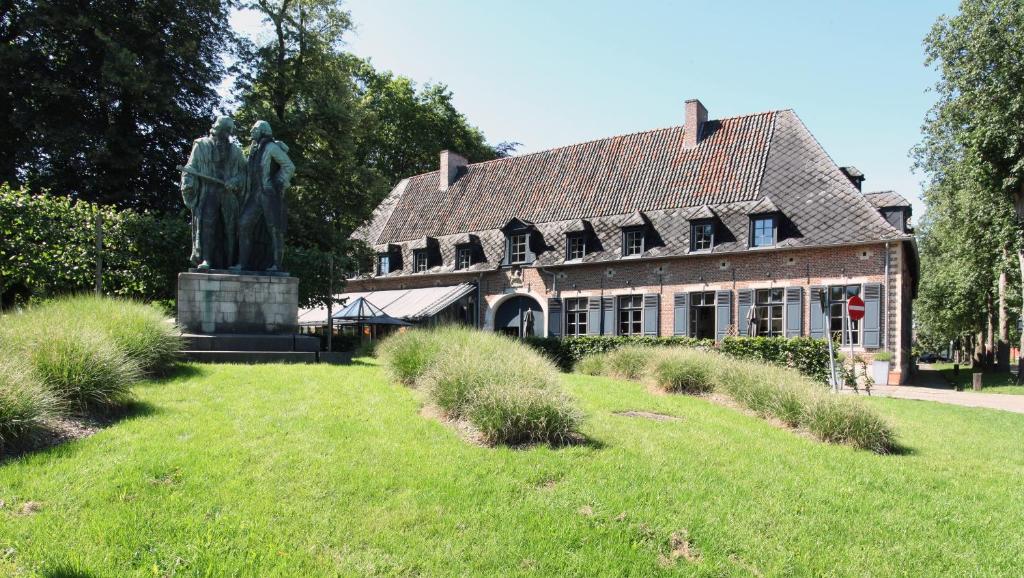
{"x": 479, "y": 300}
{"x": 885, "y": 301}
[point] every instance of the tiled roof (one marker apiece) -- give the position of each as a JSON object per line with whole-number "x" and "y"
{"x": 879, "y": 199}
{"x": 743, "y": 165}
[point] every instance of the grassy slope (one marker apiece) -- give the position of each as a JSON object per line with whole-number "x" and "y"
{"x": 991, "y": 382}
{"x": 325, "y": 470}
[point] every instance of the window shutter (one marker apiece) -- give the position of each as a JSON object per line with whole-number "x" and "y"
{"x": 744, "y": 299}
{"x": 652, "y": 306}
{"x": 817, "y": 317}
{"x": 594, "y": 316}
{"x": 723, "y": 314}
{"x": 507, "y": 259}
{"x": 872, "y": 314}
{"x": 554, "y": 317}
{"x": 794, "y": 311}
{"x": 681, "y": 320}
{"x": 608, "y": 316}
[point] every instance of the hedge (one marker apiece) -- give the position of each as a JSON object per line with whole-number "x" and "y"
{"x": 806, "y": 355}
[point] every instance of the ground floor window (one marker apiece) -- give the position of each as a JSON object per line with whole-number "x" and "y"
{"x": 576, "y": 317}
{"x": 768, "y": 303}
{"x": 702, "y": 315}
{"x": 837, "y": 297}
{"x": 631, "y": 310}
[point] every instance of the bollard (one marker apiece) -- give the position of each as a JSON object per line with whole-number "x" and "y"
{"x": 956, "y": 369}
{"x": 976, "y": 381}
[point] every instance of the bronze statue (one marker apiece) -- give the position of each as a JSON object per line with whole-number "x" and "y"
{"x": 210, "y": 183}
{"x": 268, "y": 176}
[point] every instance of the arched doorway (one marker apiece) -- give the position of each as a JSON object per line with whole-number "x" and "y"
{"x": 519, "y": 316}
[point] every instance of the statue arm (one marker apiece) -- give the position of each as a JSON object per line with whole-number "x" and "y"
{"x": 235, "y": 178}
{"x": 188, "y": 181}
{"x": 279, "y": 155}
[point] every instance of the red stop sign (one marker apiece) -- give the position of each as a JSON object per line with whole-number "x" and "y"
{"x": 855, "y": 307}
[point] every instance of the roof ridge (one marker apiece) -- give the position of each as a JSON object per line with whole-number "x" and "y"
{"x": 636, "y": 132}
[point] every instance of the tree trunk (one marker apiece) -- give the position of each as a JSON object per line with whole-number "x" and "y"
{"x": 978, "y": 360}
{"x": 1003, "y": 345}
{"x": 990, "y": 333}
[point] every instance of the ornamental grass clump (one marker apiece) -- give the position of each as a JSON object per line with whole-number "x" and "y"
{"x": 26, "y": 407}
{"x": 680, "y": 370}
{"x": 507, "y": 391}
{"x": 630, "y": 362}
{"x": 593, "y": 364}
{"x": 845, "y": 420}
{"x": 139, "y": 330}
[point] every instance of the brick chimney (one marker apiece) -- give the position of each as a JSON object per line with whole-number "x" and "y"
{"x": 450, "y": 164}
{"x": 696, "y": 116}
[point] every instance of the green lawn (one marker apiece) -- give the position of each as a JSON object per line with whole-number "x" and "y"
{"x": 991, "y": 382}
{"x": 325, "y": 470}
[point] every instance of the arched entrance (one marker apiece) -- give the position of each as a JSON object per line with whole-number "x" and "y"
{"x": 519, "y": 316}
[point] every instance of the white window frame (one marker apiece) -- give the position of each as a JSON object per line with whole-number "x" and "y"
{"x": 518, "y": 245}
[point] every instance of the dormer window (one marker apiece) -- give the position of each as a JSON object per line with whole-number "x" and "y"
{"x": 575, "y": 246}
{"x": 702, "y": 235}
{"x": 389, "y": 259}
{"x": 421, "y": 261}
{"x": 632, "y": 241}
{"x": 763, "y": 230}
{"x": 521, "y": 240}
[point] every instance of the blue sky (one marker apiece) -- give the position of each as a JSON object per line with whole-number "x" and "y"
{"x": 549, "y": 74}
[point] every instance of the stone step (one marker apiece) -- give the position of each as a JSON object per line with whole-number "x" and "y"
{"x": 251, "y": 342}
{"x": 250, "y": 356}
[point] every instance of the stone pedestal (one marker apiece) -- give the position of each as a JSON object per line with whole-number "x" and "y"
{"x": 226, "y": 302}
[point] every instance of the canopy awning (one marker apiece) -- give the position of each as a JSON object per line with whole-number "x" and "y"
{"x": 407, "y": 304}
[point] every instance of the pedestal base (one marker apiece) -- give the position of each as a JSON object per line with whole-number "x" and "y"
{"x": 237, "y": 303}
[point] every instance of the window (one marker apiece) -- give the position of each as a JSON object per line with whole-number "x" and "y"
{"x": 576, "y": 317}
{"x": 762, "y": 232}
{"x": 631, "y": 309}
{"x": 575, "y": 246}
{"x": 702, "y": 236}
{"x": 463, "y": 257}
{"x": 420, "y": 260}
{"x": 768, "y": 308}
{"x": 518, "y": 245}
{"x": 632, "y": 242}
{"x": 837, "y": 296}
{"x": 383, "y": 264}
{"x": 702, "y": 315}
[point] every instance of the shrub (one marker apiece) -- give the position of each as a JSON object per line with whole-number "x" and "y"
{"x": 806, "y": 355}
{"x": 883, "y": 356}
{"x": 142, "y": 332}
{"x": 593, "y": 364}
{"x": 569, "y": 351}
{"x": 844, "y": 420}
{"x": 628, "y": 362}
{"x": 513, "y": 415}
{"x": 680, "y": 371}
{"x": 25, "y": 405}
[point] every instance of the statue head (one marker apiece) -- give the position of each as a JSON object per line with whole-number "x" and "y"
{"x": 260, "y": 131}
{"x": 222, "y": 127}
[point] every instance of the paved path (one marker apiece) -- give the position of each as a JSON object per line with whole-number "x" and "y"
{"x": 931, "y": 386}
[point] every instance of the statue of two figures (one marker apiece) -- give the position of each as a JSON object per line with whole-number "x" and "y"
{"x": 237, "y": 202}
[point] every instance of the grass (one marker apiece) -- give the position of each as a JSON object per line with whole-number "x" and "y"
{"x": 991, "y": 382}
{"x": 26, "y": 407}
{"x": 327, "y": 470}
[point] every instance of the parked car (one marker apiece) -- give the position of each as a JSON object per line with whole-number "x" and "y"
{"x": 928, "y": 358}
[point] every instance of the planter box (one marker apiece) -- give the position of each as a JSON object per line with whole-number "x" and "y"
{"x": 880, "y": 372}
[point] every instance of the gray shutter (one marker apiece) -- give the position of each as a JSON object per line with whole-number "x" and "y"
{"x": 744, "y": 299}
{"x": 652, "y": 306}
{"x": 594, "y": 316}
{"x": 723, "y": 314}
{"x": 681, "y": 321}
{"x": 872, "y": 321}
{"x": 505, "y": 259}
{"x": 608, "y": 316}
{"x": 817, "y": 317}
{"x": 794, "y": 311}
{"x": 554, "y": 317}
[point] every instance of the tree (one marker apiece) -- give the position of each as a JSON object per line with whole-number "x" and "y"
{"x": 972, "y": 147}
{"x": 353, "y": 132}
{"x": 101, "y": 98}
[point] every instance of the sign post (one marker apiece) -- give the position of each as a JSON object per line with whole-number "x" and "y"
{"x": 855, "y": 312}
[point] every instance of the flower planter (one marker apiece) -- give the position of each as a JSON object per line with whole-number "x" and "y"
{"x": 880, "y": 372}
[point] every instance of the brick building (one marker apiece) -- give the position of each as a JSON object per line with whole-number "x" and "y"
{"x": 718, "y": 227}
